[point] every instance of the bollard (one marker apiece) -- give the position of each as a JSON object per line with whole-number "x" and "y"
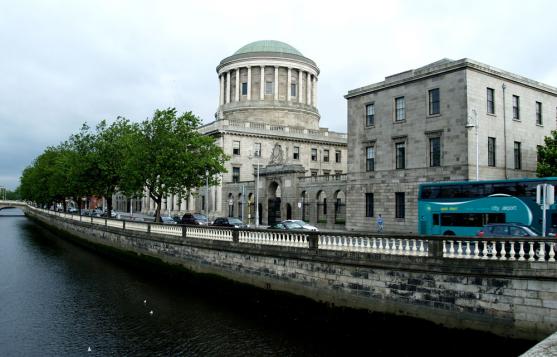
{"x": 235, "y": 235}
{"x": 184, "y": 232}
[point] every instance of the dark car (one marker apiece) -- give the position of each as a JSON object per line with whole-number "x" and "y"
{"x": 229, "y": 222}
{"x": 194, "y": 218}
{"x": 287, "y": 225}
{"x": 507, "y": 230}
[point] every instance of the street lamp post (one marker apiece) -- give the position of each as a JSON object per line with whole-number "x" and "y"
{"x": 476, "y": 126}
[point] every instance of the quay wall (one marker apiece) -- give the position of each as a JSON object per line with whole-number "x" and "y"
{"x": 509, "y": 298}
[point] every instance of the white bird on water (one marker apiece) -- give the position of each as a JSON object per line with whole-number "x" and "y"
{"x": 89, "y": 349}
{"x": 144, "y": 302}
{"x": 151, "y": 312}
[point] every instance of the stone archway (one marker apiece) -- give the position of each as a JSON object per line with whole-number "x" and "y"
{"x": 288, "y": 211}
{"x": 274, "y": 202}
{"x": 321, "y": 207}
{"x": 340, "y": 207}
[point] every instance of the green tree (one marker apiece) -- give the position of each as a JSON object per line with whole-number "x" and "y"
{"x": 113, "y": 148}
{"x": 44, "y": 181}
{"x": 172, "y": 157}
{"x": 547, "y": 156}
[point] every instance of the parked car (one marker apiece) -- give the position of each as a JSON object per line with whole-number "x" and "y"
{"x": 507, "y": 230}
{"x": 72, "y": 210}
{"x": 229, "y": 222}
{"x": 195, "y": 218}
{"x": 287, "y": 225}
{"x": 167, "y": 220}
{"x": 304, "y": 224}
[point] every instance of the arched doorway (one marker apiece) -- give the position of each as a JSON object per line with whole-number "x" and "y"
{"x": 321, "y": 207}
{"x": 288, "y": 211}
{"x": 305, "y": 206}
{"x": 273, "y": 210}
{"x": 241, "y": 206}
{"x": 251, "y": 209}
{"x": 230, "y": 205}
{"x": 340, "y": 207}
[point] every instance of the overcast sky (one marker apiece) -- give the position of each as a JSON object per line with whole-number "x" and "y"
{"x": 63, "y": 63}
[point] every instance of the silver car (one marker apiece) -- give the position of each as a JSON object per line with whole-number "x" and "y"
{"x": 303, "y": 224}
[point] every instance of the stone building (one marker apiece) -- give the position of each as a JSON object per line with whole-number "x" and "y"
{"x": 420, "y": 126}
{"x": 267, "y": 119}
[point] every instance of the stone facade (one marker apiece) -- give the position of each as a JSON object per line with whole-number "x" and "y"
{"x": 439, "y": 103}
{"x": 267, "y": 120}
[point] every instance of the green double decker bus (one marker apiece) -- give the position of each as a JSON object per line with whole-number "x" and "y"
{"x": 463, "y": 208}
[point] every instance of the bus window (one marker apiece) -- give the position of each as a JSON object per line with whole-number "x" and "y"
{"x": 436, "y": 219}
{"x": 450, "y": 191}
{"x": 496, "y": 218}
{"x": 462, "y": 220}
{"x": 430, "y": 192}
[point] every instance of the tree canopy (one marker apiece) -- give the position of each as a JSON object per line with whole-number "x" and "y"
{"x": 172, "y": 157}
{"x": 161, "y": 156}
{"x": 547, "y": 156}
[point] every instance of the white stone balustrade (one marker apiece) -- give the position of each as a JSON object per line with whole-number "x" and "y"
{"x": 535, "y": 250}
{"x": 173, "y": 230}
{"x": 285, "y": 239}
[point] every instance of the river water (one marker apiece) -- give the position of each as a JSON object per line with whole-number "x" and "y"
{"x": 60, "y": 299}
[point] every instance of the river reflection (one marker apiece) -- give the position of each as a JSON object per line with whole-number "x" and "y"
{"x": 59, "y": 299}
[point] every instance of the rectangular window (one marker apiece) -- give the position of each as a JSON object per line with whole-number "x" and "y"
{"x": 517, "y": 156}
{"x": 236, "y": 148}
{"x": 491, "y": 151}
{"x": 235, "y": 174}
{"x": 338, "y": 156}
{"x": 313, "y": 154}
{"x": 399, "y": 205}
{"x": 244, "y": 88}
{"x": 370, "y": 114}
{"x": 538, "y": 151}
{"x": 370, "y": 158}
{"x": 257, "y": 149}
{"x": 296, "y": 153}
{"x": 293, "y": 89}
{"x": 516, "y": 107}
{"x": 269, "y": 87}
{"x": 400, "y": 150}
{"x": 490, "y": 101}
{"x": 326, "y": 172}
{"x": 539, "y": 119}
{"x": 203, "y": 203}
{"x": 434, "y": 102}
{"x": 313, "y": 172}
{"x": 369, "y": 204}
{"x": 326, "y": 155}
{"x": 400, "y": 111}
{"x": 434, "y": 152}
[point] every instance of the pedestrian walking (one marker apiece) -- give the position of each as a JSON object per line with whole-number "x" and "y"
{"x": 379, "y": 224}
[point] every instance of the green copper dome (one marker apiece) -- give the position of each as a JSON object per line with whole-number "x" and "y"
{"x": 268, "y": 46}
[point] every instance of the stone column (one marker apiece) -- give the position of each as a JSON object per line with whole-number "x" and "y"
{"x": 237, "y": 84}
{"x": 314, "y": 90}
{"x": 276, "y": 82}
{"x": 262, "y": 84}
{"x": 308, "y": 94}
{"x": 289, "y": 84}
{"x": 221, "y": 99}
{"x": 300, "y": 86}
{"x": 249, "y": 82}
{"x": 228, "y": 87}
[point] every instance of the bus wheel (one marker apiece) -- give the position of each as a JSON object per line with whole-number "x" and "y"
{"x": 448, "y": 233}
